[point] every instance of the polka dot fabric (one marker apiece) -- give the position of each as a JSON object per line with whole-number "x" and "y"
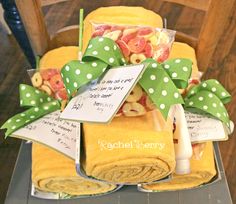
{"x": 29, "y": 96}
{"x": 100, "y": 54}
{"x": 158, "y": 82}
{"x": 179, "y": 70}
{"x": 41, "y": 104}
{"x": 209, "y": 96}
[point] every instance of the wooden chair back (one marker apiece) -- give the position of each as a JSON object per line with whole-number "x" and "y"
{"x": 216, "y": 16}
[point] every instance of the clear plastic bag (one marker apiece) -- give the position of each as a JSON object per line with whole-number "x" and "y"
{"x": 198, "y": 149}
{"x": 137, "y": 43}
{"x": 49, "y": 81}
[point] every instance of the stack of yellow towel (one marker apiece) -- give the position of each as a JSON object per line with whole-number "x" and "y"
{"x": 127, "y": 150}
{"x": 202, "y": 171}
{"x": 117, "y": 152}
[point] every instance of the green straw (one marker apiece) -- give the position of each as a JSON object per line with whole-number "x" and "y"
{"x": 81, "y": 25}
{"x": 37, "y": 59}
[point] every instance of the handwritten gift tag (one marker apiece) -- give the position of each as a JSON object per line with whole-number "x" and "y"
{"x": 52, "y": 131}
{"x": 102, "y": 99}
{"x": 203, "y": 128}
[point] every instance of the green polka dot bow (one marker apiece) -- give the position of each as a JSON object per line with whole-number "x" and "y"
{"x": 209, "y": 97}
{"x": 100, "y": 54}
{"x": 160, "y": 81}
{"x": 39, "y": 104}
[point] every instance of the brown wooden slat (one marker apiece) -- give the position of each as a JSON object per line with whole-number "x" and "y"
{"x": 182, "y": 37}
{"x": 197, "y": 4}
{"x": 50, "y": 2}
{"x": 35, "y": 27}
{"x": 66, "y": 37}
{"x": 212, "y": 28}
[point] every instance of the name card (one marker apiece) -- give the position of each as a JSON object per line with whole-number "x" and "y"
{"x": 52, "y": 131}
{"x": 203, "y": 128}
{"x": 102, "y": 99}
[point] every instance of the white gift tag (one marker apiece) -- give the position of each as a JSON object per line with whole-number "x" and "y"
{"x": 51, "y": 131}
{"x": 203, "y": 128}
{"x": 102, "y": 99}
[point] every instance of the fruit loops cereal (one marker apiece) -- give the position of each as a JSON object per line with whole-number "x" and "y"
{"x": 50, "y": 82}
{"x": 137, "y": 43}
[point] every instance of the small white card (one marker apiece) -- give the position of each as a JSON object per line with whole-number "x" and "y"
{"x": 203, "y": 128}
{"x": 102, "y": 99}
{"x": 52, "y": 131}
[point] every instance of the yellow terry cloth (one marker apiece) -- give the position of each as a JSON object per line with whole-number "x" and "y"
{"x": 183, "y": 50}
{"x": 54, "y": 172}
{"x": 129, "y": 150}
{"x": 202, "y": 171}
{"x": 57, "y": 58}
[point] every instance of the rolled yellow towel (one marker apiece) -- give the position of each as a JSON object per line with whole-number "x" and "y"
{"x": 54, "y": 172}
{"x": 57, "y": 58}
{"x": 202, "y": 171}
{"x": 183, "y": 50}
{"x": 129, "y": 150}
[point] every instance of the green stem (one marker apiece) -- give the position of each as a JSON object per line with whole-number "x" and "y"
{"x": 37, "y": 62}
{"x": 81, "y": 22}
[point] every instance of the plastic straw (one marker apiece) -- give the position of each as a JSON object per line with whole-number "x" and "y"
{"x": 37, "y": 59}
{"x": 81, "y": 26}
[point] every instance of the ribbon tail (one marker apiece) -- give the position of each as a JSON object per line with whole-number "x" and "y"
{"x": 160, "y": 88}
{"x": 179, "y": 70}
{"x": 206, "y": 102}
{"x": 20, "y": 120}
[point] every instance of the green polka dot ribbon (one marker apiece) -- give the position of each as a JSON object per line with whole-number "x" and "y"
{"x": 209, "y": 97}
{"x": 160, "y": 81}
{"x": 100, "y": 54}
{"x": 39, "y": 104}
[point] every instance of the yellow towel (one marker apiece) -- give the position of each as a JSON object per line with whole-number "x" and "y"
{"x": 202, "y": 171}
{"x": 183, "y": 50}
{"x": 57, "y": 58}
{"x": 54, "y": 172}
{"x": 129, "y": 150}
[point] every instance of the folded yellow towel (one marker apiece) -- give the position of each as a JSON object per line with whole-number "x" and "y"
{"x": 129, "y": 150}
{"x": 54, "y": 172}
{"x": 202, "y": 171}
